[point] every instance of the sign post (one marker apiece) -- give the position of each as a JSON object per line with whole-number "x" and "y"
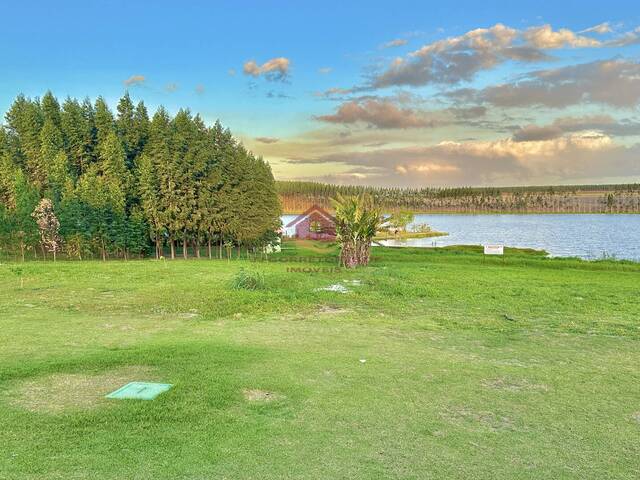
{"x": 494, "y": 249}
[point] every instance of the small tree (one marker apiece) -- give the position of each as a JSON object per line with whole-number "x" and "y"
{"x": 48, "y": 225}
{"x": 400, "y": 220}
{"x": 357, "y": 221}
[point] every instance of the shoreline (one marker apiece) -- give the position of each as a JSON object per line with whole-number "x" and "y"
{"x": 439, "y": 212}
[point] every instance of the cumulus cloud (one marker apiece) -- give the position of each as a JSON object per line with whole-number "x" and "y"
{"x": 535, "y": 133}
{"x": 457, "y": 59}
{"x": 398, "y": 42}
{"x": 544, "y": 37}
{"x": 134, "y": 80}
{"x": 276, "y": 69}
{"x": 572, "y": 158}
{"x": 466, "y": 113}
{"x": 600, "y": 124}
{"x": 380, "y": 113}
{"x": 267, "y": 140}
{"x": 610, "y": 82}
{"x": 631, "y": 37}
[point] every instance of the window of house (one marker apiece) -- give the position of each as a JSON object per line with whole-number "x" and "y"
{"x": 315, "y": 227}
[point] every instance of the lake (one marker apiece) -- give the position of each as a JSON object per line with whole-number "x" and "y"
{"x": 588, "y": 236}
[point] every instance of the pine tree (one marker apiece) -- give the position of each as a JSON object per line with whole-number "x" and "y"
{"x": 149, "y": 192}
{"x": 24, "y": 120}
{"x": 51, "y": 144}
{"x": 24, "y": 227}
{"x": 112, "y": 164}
{"x": 161, "y": 182}
{"x": 126, "y": 128}
{"x": 104, "y": 121}
{"x": 50, "y": 109}
{"x": 78, "y": 136}
{"x": 141, "y": 126}
{"x": 184, "y": 166}
{"x": 7, "y": 172}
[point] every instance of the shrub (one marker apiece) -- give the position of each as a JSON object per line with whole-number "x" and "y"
{"x": 248, "y": 280}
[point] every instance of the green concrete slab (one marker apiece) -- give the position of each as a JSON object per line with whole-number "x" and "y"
{"x": 140, "y": 391}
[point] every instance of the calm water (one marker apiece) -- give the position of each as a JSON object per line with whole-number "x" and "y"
{"x": 585, "y": 236}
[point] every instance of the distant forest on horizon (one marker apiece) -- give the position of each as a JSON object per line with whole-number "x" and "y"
{"x": 297, "y": 196}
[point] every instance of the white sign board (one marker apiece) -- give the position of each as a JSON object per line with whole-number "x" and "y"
{"x": 494, "y": 249}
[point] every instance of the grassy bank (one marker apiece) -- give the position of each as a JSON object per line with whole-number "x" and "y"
{"x": 407, "y": 235}
{"x": 435, "y": 363}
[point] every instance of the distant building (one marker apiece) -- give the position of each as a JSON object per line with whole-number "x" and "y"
{"x": 314, "y": 224}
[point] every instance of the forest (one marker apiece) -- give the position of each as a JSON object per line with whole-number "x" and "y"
{"x": 622, "y": 198}
{"x": 80, "y": 180}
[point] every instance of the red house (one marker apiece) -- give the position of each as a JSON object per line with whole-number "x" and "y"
{"x": 314, "y": 224}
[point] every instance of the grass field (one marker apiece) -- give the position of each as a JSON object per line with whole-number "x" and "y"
{"x": 434, "y": 364}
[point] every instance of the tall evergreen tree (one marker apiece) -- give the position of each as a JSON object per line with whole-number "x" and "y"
{"x": 78, "y": 136}
{"x": 51, "y": 144}
{"x": 24, "y": 120}
{"x": 104, "y": 122}
{"x": 125, "y": 126}
{"x": 141, "y": 126}
{"x": 50, "y": 109}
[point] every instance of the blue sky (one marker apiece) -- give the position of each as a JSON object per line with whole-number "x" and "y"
{"x": 432, "y": 118}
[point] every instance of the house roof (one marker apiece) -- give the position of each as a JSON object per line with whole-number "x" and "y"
{"x": 304, "y": 215}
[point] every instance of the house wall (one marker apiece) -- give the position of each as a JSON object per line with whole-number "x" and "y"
{"x": 303, "y": 229}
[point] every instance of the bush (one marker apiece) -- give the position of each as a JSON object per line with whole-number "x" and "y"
{"x": 248, "y": 280}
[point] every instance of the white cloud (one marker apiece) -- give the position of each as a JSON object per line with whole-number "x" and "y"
{"x": 601, "y": 28}
{"x": 276, "y": 69}
{"x": 572, "y": 158}
{"x": 398, "y": 42}
{"x": 610, "y": 82}
{"x": 134, "y": 80}
{"x": 380, "y": 113}
{"x": 544, "y": 37}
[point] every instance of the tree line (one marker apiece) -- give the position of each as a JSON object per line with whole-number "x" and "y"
{"x": 126, "y": 184}
{"x": 622, "y": 198}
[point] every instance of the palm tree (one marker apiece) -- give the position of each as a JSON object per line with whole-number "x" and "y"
{"x": 357, "y": 221}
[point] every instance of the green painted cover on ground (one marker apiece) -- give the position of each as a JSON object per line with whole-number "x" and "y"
{"x": 140, "y": 390}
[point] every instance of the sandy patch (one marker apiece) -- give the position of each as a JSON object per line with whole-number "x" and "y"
{"x": 256, "y": 395}
{"x": 331, "y": 310}
{"x": 62, "y": 392}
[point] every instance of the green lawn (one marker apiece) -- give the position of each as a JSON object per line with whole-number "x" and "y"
{"x": 435, "y": 364}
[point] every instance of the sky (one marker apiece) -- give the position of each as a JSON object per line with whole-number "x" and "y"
{"x": 410, "y": 94}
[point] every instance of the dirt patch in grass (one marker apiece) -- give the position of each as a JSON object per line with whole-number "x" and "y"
{"x": 256, "y": 395}
{"x": 463, "y": 416}
{"x": 636, "y": 416}
{"x": 62, "y": 392}
{"x": 513, "y": 385}
{"x": 331, "y": 310}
